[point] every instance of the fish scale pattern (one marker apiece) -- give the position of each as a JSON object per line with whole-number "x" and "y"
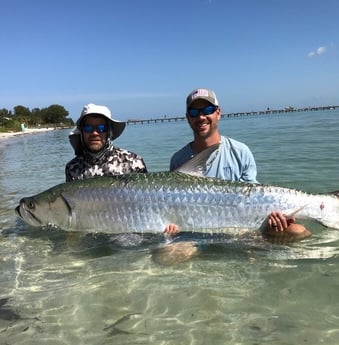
{"x": 148, "y": 202}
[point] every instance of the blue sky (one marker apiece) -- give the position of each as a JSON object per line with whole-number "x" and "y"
{"x": 142, "y": 57}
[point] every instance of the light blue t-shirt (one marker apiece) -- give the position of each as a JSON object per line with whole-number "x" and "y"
{"x": 232, "y": 161}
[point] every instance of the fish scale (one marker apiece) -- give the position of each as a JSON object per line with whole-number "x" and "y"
{"x": 148, "y": 202}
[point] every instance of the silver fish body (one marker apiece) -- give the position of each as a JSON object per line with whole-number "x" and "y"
{"x": 146, "y": 203}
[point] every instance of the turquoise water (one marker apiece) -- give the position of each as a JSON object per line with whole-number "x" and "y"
{"x": 62, "y": 289}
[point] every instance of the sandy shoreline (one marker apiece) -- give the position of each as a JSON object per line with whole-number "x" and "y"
{"x": 27, "y": 131}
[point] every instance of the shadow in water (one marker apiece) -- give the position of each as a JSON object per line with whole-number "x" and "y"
{"x": 169, "y": 250}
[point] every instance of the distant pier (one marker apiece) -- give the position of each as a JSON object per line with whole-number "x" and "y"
{"x": 249, "y": 113}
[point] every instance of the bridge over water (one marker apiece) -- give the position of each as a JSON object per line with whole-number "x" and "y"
{"x": 249, "y": 113}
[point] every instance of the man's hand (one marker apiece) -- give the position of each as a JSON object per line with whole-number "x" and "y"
{"x": 278, "y": 222}
{"x": 172, "y": 229}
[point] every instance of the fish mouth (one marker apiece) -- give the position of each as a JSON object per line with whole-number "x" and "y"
{"x": 22, "y": 212}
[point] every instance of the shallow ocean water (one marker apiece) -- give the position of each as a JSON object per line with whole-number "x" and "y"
{"x": 59, "y": 288}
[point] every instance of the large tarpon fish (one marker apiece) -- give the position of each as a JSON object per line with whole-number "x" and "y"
{"x": 146, "y": 203}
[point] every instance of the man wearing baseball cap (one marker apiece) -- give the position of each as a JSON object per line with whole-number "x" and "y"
{"x": 232, "y": 160}
{"x": 92, "y": 141}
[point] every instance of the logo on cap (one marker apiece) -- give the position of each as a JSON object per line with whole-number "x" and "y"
{"x": 200, "y": 93}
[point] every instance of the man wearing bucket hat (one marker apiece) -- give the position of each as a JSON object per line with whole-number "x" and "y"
{"x": 232, "y": 160}
{"x": 92, "y": 141}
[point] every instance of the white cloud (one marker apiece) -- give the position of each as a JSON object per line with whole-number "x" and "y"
{"x": 319, "y": 51}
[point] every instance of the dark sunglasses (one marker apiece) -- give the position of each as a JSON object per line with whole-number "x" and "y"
{"x": 208, "y": 110}
{"x": 98, "y": 128}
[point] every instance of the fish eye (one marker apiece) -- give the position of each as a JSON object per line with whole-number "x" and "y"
{"x": 30, "y": 204}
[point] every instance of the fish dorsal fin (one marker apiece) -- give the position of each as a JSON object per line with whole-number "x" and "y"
{"x": 196, "y": 165}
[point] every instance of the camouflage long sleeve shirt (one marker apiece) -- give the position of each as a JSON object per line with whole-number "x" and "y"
{"x": 115, "y": 161}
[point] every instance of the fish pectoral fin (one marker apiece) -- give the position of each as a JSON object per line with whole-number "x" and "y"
{"x": 293, "y": 214}
{"x": 196, "y": 166}
{"x": 68, "y": 202}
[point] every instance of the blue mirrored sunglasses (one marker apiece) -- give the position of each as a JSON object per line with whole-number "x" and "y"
{"x": 91, "y": 128}
{"x": 208, "y": 110}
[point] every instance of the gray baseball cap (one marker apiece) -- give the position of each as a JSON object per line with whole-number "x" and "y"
{"x": 205, "y": 94}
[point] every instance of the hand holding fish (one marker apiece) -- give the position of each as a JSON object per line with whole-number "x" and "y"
{"x": 278, "y": 222}
{"x": 172, "y": 229}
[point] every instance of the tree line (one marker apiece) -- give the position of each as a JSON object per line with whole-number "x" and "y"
{"x": 54, "y": 115}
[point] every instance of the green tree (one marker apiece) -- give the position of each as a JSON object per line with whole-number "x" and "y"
{"x": 21, "y": 112}
{"x": 5, "y": 113}
{"x": 5, "y": 116}
{"x": 35, "y": 117}
{"x": 54, "y": 114}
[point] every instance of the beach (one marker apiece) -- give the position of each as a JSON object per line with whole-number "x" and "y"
{"x": 7, "y": 135}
